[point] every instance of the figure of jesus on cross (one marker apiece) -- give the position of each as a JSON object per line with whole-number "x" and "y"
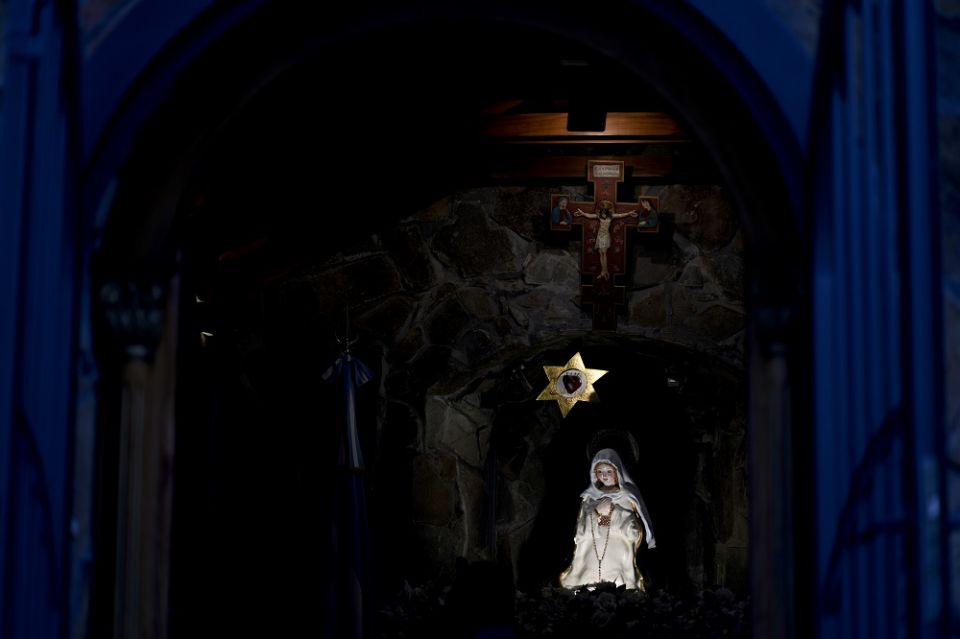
{"x": 605, "y": 213}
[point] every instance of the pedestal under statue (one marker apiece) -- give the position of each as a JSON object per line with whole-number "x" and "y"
{"x": 612, "y": 524}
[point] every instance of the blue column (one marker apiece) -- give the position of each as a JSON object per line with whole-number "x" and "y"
{"x": 878, "y": 403}
{"x": 37, "y": 284}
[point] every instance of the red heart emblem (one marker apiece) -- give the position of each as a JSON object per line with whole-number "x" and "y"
{"x": 571, "y": 383}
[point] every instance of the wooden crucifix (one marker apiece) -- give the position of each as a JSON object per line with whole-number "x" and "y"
{"x": 605, "y": 223}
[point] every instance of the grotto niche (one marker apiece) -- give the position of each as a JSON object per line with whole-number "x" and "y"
{"x": 456, "y": 309}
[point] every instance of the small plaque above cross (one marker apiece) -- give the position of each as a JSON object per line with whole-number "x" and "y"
{"x": 605, "y": 222}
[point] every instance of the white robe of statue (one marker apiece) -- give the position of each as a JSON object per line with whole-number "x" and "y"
{"x": 612, "y": 523}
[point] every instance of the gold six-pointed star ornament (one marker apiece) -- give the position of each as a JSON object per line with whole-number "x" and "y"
{"x": 571, "y": 383}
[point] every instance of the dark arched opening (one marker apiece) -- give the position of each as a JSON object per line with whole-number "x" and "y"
{"x": 336, "y": 190}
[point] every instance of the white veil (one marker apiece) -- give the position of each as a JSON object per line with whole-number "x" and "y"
{"x": 628, "y": 496}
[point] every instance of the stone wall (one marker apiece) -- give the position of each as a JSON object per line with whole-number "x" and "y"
{"x": 464, "y": 302}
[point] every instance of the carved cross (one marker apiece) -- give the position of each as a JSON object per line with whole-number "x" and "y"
{"x": 605, "y": 223}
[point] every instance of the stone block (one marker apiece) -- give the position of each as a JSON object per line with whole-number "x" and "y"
{"x": 647, "y": 273}
{"x": 522, "y": 210}
{"x": 478, "y": 345}
{"x": 703, "y": 214}
{"x": 550, "y": 307}
{"x": 385, "y": 320}
{"x": 682, "y": 303}
{"x": 555, "y": 267}
{"x": 411, "y": 255}
{"x": 717, "y": 322}
{"x": 477, "y": 303}
{"x": 457, "y": 428}
{"x": 447, "y": 321}
{"x": 648, "y": 308}
{"x": 726, "y": 269}
{"x": 688, "y": 249}
{"x": 472, "y": 247}
{"x": 407, "y": 345}
{"x": 502, "y": 326}
{"x": 519, "y": 315}
{"x": 691, "y": 277}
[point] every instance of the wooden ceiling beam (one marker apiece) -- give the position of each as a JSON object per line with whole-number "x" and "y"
{"x": 521, "y": 127}
{"x": 572, "y": 166}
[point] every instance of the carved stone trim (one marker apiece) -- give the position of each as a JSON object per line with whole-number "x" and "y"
{"x": 134, "y": 311}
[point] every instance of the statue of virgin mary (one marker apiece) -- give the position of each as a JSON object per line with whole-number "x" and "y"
{"x": 612, "y": 524}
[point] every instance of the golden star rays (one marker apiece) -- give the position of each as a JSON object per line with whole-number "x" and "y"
{"x": 571, "y": 383}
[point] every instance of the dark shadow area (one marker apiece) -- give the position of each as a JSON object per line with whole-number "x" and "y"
{"x": 258, "y": 439}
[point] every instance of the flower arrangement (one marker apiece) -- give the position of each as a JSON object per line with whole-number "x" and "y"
{"x": 559, "y": 613}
